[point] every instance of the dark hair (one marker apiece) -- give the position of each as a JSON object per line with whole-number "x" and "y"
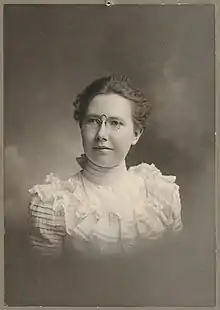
{"x": 116, "y": 85}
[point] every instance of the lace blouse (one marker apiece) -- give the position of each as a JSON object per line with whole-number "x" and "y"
{"x": 102, "y": 220}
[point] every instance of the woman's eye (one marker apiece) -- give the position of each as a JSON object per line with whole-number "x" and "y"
{"x": 115, "y": 123}
{"x": 93, "y": 121}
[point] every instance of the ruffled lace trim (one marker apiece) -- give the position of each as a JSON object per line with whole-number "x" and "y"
{"x": 151, "y": 172}
{"x": 145, "y": 214}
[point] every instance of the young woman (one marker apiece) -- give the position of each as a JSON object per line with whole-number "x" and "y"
{"x": 106, "y": 209}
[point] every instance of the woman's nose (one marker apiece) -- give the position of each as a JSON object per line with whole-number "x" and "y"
{"x": 102, "y": 132}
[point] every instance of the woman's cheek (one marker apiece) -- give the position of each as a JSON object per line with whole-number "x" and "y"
{"x": 122, "y": 146}
{"x": 88, "y": 137}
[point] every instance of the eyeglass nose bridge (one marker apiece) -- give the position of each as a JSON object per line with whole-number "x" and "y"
{"x": 101, "y": 134}
{"x": 103, "y": 119}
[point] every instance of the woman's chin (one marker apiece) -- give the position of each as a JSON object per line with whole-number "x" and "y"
{"x": 103, "y": 162}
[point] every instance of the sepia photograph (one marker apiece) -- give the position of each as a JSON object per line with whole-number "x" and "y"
{"x": 109, "y": 155}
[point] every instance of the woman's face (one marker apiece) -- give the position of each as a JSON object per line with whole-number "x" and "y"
{"x": 108, "y": 130}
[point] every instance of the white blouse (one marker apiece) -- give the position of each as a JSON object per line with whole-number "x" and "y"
{"x": 97, "y": 219}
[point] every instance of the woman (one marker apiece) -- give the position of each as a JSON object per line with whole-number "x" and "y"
{"x": 105, "y": 208}
{"x": 104, "y": 215}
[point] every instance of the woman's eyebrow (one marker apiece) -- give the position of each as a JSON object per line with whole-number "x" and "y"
{"x": 110, "y": 117}
{"x": 93, "y": 115}
{"x": 116, "y": 118}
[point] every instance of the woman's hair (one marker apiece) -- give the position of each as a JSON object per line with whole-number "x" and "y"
{"x": 114, "y": 85}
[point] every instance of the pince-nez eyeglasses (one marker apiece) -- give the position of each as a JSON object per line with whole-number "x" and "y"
{"x": 95, "y": 122}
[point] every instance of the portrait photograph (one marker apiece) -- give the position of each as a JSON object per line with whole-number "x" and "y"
{"x": 109, "y": 155}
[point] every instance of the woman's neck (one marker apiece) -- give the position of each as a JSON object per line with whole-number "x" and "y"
{"x": 103, "y": 176}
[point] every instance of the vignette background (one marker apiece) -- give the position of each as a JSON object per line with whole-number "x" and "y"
{"x": 51, "y": 53}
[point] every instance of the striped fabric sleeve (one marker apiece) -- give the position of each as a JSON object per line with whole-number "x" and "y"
{"x": 47, "y": 227}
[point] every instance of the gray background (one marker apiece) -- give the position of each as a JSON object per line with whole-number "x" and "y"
{"x": 51, "y": 53}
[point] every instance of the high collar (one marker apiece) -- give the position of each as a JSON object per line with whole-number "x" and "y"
{"x": 101, "y": 175}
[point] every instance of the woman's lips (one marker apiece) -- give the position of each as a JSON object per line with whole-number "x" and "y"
{"x": 102, "y": 149}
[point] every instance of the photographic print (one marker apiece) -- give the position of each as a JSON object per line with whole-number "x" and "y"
{"x": 109, "y": 155}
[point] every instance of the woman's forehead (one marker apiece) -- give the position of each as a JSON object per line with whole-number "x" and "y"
{"x": 111, "y": 105}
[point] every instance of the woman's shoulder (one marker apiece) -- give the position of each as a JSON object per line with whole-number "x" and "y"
{"x": 154, "y": 180}
{"x": 163, "y": 193}
{"x": 151, "y": 172}
{"x": 53, "y": 192}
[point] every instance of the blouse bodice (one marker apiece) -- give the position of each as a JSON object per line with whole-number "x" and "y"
{"x": 96, "y": 219}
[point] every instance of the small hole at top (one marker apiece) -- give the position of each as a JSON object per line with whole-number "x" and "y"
{"x": 108, "y": 3}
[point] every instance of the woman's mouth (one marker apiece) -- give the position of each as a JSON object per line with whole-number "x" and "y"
{"x": 102, "y": 148}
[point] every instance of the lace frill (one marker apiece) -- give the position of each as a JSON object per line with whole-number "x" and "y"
{"x": 111, "y": 220}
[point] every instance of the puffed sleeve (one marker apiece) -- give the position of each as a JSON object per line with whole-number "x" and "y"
{"x": 162, "y": 196}
{"x": 47, "y": 221}
{"x": 176, "y": 209}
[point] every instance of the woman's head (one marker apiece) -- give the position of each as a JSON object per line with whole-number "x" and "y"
{"x": 114, "y": 85}
{"x": 112, "y": 116}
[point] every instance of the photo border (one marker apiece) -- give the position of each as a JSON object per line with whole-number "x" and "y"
{"x": 216, "y": 4}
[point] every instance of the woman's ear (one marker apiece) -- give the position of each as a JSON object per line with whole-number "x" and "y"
{"x": 137, "y": 134}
